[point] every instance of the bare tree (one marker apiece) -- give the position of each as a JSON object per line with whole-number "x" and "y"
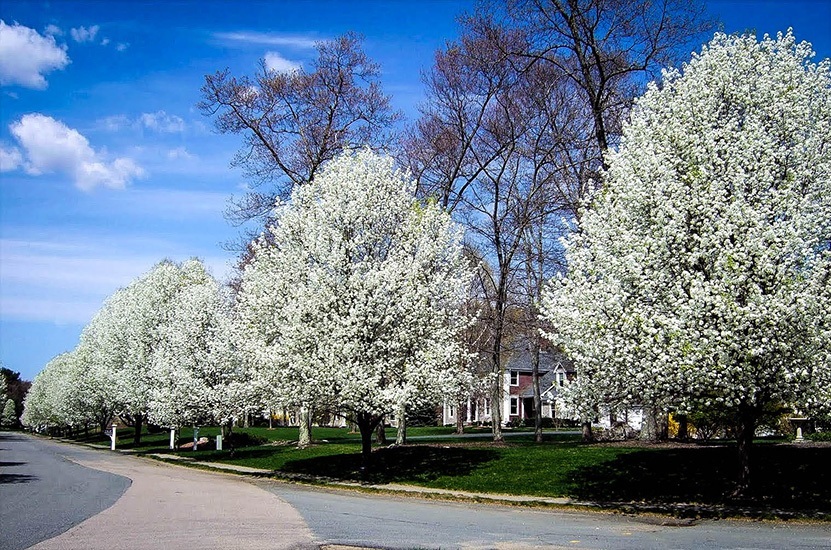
{"x": 608, "y": 48}
{"x": 293, "y": 122}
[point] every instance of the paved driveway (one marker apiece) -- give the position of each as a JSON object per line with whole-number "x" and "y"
{"x": 163, "y": 507}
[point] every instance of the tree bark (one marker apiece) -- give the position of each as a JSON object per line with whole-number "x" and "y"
{"x": 137, "y": 435}
{"x": 650, "y": 429}
{"x": 588, "y": 434}
{"x": 401, "y": 420}
{"x": 304, "y": 438}
{"x": 683, "y": 427}
{"x": 535, "y": 375}
{"x": 367, "y": 424}
{"x": 747, "y": 429}
{"x": 380, "y": 433}
{"x": 460, "y": 421}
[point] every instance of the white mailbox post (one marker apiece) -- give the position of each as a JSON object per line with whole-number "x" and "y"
{"x": 172, "y": 438}
{"x": 112, "y": 437}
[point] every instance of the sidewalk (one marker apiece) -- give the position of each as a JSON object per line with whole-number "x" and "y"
{"x": 175, "y": 507}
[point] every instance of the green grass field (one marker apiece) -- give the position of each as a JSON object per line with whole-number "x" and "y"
{"x": 787, "y": 477}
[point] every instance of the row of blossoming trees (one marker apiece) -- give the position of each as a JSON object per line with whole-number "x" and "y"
{"x": 350, "y": 303}
{"x": 699, "y": 278}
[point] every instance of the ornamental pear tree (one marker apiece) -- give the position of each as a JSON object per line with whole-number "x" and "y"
{"x": 700, "y": 274}
{"x": 192, "y": 365}
{"x": 352, "y": 301}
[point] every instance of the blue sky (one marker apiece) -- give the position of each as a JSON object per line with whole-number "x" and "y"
{"x": 107, "y": 167}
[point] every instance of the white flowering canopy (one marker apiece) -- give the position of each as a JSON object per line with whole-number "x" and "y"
{"x": 700, "y": 275}
{"x": 353, "y": 299}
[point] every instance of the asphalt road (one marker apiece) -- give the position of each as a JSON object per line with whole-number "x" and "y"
{"x": 348, "y": 518}
{"x": 42, "y": 494}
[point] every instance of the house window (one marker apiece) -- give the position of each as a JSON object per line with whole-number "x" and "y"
{"x": 514, "y": 406}
{"x": 561, "y": 379}
{"x": 486, "y": 407}
{"x": 514, "y": 378}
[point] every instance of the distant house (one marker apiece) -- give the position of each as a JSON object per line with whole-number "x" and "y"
{"x": 556, "y": 371}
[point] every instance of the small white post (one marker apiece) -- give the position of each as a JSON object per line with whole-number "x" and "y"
{"x": 219, "y": 442}
{"x": 112, "y": 437}
{"x": 195, "y": 436}
{"x": 172, "y": 438}
{"x": 799, "y": 436}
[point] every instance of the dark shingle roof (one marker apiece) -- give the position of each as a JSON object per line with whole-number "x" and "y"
{"x": 549, "y": 360}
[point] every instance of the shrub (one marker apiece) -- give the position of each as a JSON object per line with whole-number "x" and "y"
{"x": 244, "y": 439}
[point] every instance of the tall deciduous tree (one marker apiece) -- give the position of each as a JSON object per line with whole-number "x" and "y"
{"x": 700, "y": 276}
{"x": 354, "y": 302}
{"x": 193, "y": 367}
{"x": 293, "y": 122}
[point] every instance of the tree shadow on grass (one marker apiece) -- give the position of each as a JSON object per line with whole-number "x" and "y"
{"x": 784, "y": 476}
{"x": 396, "y": 464}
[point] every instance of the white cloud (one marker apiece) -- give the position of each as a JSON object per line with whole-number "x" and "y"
{"x": 52, "y": 30}
{"x": 10, "y": 159}
{"x": 84, "y": 34}
{"x": 279, "y": 64}
{"x": 121, "y": 46}
{"x": 113, "y": 123}
{"x": 180, "y": 153}
{"x": 160, "y": 121}
{"x": 268, "y": 39}
{"x": 26, "y": 56}
{"x": 65, "y": 279}
{"x": 50, "y": 146}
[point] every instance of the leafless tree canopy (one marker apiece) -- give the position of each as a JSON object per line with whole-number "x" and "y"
{"x": 293, "y": 122}
{"x": 520, "y": 111}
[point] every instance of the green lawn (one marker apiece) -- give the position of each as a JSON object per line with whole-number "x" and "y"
{"x": 789, "y": 477}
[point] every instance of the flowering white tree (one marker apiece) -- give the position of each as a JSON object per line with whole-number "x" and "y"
{"x": 352, "y": 302}
{"x": 193, "y": 371}
{"x": 700, "y": 275}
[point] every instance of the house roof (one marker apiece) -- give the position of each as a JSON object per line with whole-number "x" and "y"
{"x": 549, "y": 361}
{"x": 545, "y": 383}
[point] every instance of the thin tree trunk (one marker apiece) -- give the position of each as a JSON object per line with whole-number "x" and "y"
{"x": 380, "y": 433}
{"x": 460, "y": 421}
{"x": 137, "y": 435}
{"x": 304, "y": 438}
{"x": 683, "y": 427}
{"x": 535, "y": 376}
{"x": 588, "y": 434}
{"x": 401, "y": 420}
{"x": 366, "y": 424}
{"x": 747, "y": 429}
{"x": 650, "y": 430}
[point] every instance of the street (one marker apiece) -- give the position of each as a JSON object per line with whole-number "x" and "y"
{"x": 49, "y": 489}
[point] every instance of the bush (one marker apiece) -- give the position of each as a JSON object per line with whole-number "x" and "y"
{"x": 244, "y": 439}
{"x": 819, "y": 436}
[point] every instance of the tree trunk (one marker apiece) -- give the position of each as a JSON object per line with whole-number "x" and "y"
{"x": 460, "y": 421}
{"x": 650, "y": 429}
{"x": 401, "y": 420}
{"x": 535, "y": 378}
{"x": 304, "y": 438}
{"x": 683, "y": 427}
{"x": 381, "y": 433}
{"x": 747, "y": 429}
{"x": 137, "y": 435}
{"x": 588, "y": 434}
{"x": 496, "y": 410}
{"x": 366, "y": 424}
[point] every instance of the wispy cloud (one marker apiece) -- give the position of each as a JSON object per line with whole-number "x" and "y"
{"x": 65, "y": 280}
{"x": 268, "y": 39}
{"x": 84, "y": 34}
{"x": 160, "y": 121}
{"x": 48, "y": 146}
{"x": 26, "y": 56}
{"x": 279, "y": 64}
